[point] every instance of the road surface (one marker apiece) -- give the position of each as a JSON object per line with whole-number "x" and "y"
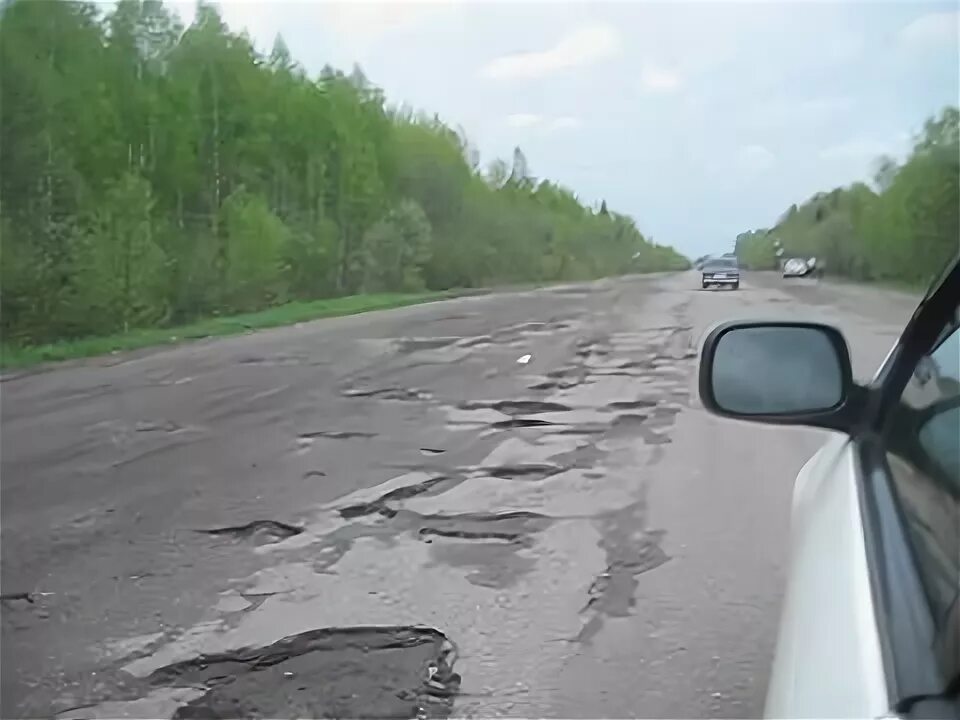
{"x": 504, "y": 505}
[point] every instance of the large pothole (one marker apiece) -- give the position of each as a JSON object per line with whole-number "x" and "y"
{"x": 353, "y": 672}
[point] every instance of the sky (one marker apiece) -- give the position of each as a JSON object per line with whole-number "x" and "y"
{"x": 699, "y": 119}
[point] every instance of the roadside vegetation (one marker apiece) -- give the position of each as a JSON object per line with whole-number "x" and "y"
{"x": 155, "y": 175}
{"x": 902, "y": 231}
{"x": 286, "y": 314}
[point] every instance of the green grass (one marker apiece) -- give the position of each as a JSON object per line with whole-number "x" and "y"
{"x": 908, "y": 287}
{"x": 12, "y": 356}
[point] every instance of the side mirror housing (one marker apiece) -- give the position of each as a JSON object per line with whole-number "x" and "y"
{"x": 786, "y": 373}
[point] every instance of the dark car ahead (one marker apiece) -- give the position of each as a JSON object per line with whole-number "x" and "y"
{"x": 721, "y": 272}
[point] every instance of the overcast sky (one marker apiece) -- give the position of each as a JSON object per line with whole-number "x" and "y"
{"x": 701, "y": 120}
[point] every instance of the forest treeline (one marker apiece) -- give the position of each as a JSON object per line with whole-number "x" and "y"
{"x": 905, "y": 228}
{"x": 151, "y": 174}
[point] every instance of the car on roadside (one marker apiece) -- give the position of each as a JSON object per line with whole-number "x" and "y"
{"x": 870, "y": 621}
{"x": 720, "y": 272}
{"x": 795, "y": 267}
{"x": 799, "y": 267}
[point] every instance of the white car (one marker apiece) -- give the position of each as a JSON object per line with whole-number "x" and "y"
{"x": 796, "y": 267}
{"x": 870, "y": 624}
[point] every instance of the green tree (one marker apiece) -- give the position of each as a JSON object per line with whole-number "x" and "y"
{"x": 396, "y": 250}
{"x": 256, "y": 240}
{"x": 153, "y": 174}
{"x": 119, "y": 269}
{"x": 906, "y": 230}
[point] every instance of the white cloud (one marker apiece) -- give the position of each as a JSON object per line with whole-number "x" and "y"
{"x": 370, "y": 19}
{"x": 518, "y": 120}
{"x": 359, "y": 24}
{"x": 783, "y": 110}
{"x": 930, "y": 30}
{"x": 856, "y": 148}
{"x": 543, "y": 122}
{"x": 823, "y": 108}
{"x": 564, "y": 123}
{"x": 581, "y": 47}
{"x": 755, "y": 158}
{"x": 659, "y": 79}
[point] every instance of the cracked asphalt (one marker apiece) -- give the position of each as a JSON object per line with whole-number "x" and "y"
{"x": 388, "y": 515}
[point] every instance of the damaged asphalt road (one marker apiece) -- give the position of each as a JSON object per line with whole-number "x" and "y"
{"x": 391, "y": 515}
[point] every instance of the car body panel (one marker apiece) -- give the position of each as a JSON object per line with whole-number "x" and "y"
{"x": 828, "y": 660}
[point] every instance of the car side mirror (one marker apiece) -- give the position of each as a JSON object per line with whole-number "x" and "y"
{"x": 788, "y": 373}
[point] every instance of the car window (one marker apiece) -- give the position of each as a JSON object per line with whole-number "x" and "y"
{"x": 722, "y": 264}
{"x": 924, "y": 458}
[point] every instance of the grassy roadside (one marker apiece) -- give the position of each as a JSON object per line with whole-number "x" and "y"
{"x": 12, "y": 356}
{"x": 906, "y": 287}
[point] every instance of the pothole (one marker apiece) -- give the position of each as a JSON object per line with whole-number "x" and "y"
{"x": 510, "y": 527}
{"x": 390, "y": 393}
{"x": 632, "y": 404}
{"x": 339, "y": 542}
{"x": 628, "y": 420}
{"x": 379, "y": 505}
{"x": 665, "y": 415}
{"x": 574, "y": 291}
{"x": 586, "y": 455}
{"x": 516, "y": 407}
{"x": 631, "y": 550}
{"x": 520, "y": 423}
{"x": 640, "y": 425}
{"x": 262, "y": 532}
{"x": 410, "y": 345}
{"x": 583, "y": 429}
{"x": 635, "y": 364}
{"x": 478, "y": 341}
{"x": 502, "y": 535}
{"x": 361, "y": 672}
{"x": 524, "y": 471}
{"x": 489, "y": 564}
{"x": 519, "y": 329}
{"x": 168, "y": 426}
{"x": 553, "y": 385}
{"x": 273, "y": 360}
{"x": 17, "y": 600}
{"x": 335, "y": 434}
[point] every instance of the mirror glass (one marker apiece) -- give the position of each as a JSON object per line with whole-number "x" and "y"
{"x": 772, "y": 370}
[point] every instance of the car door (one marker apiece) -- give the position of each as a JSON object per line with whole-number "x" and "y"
{"x": 870, "y": 624}
{"x": 908, "y": 459}
{"x": 828, "y": 661}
